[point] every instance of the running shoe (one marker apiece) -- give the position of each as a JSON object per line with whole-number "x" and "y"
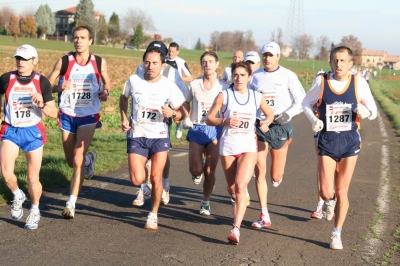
{"x": 32, "y": 221}
{"x": 69, "y": 211}
{"x": 197, "y": 179}
{"x": 318, "y": 213}
{"x": 16, "y": 207}
{"x": 205, "y": 209}
{"x": 247, "y": 198}
{"x": 89, "y": 170}
{"x": 233, "y": 237}
{"x": 151, "y": 223}
{"x": 329, "y": 209}
{"x": 276, "y": 184}
{"x": 142, "y": 195}
{"x": 165, "y": 197}
{"x": 261, "y": 222}
{"x": 336, "y": 241}
{"x": 178, "y": 132}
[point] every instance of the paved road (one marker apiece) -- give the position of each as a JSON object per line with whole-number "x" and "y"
{"x": 108, "y": 230}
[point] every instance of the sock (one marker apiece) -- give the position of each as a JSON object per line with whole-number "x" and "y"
{"x": 35, "y": 209}
{"x": 205, "y": 202}
{"x": 17, "y": 194}
{"x": 264, "y": 211}
{"x": 87, "y": 159}
{"x": 152, "y": 214}
{"x": 72, "y": 199}
{"x": 337, "y": 230}
{"x": 247, "y": 192}
{"x": 165, "y": 183}
{"x": 321, "y": 202}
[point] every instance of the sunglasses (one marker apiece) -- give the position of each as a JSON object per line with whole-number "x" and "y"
{"x": 19, "y": 58}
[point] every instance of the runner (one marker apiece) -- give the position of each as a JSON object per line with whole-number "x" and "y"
{"x": 254, "y": 59}
{"x": 338, "y": 140}
{"x": 83, "y": 83}
{"x": 27, "y": 95}
{"x": 283, "y": 92}
{"x": 227, "y": 75}
{"x": 238, "y": 145}
{"x": 203, "y": 139}
{"x": 172, "y": 74}
{"x": 146, "y": 128}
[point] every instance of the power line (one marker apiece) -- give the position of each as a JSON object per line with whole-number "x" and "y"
{"x": 295, "y": 22}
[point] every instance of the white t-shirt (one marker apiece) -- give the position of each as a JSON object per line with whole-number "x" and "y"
{"x": 182, "y": 66}
{"x": 170, "y": 73}
{"x": 147, "y": 99}
{"x": 363, "y": 90}
{"x": 202, "y": 99}
{"x": 281, "y": 89}
{"x": 227, "y": 75}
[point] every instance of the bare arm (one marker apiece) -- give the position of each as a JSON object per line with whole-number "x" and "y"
{"x": 54, "y": 75}
{"x": 50, "y": 109}
{"x": 211, "y": 119}
{"x": 123, "y": 107}
{"x": 269, "y": 114}
{"x": 103, "y": 94}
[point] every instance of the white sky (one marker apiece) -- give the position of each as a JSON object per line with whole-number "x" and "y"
{"x": 373, "y": 22}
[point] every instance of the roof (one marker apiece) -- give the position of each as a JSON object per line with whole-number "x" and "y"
{"x": 72, "y": 11}
{"x": 373, "y": 52}
{"x": 392, "y": 58}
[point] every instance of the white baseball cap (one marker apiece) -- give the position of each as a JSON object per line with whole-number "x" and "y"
{"x": 26, "y": 51}
{"x": 252, "y": 56}
{"x": 271, "y": 47}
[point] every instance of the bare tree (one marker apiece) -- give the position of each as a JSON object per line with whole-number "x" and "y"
{"x": 353, "y": 43}
{"x": 5, "y": 16}
{"x": 302, "y": 44}
{"x": 28, "y": 11}
{"x": 134, "y": 17}
{"x": 229, "y": 41}
{"x": 214, "y": 41}
{"x": 323, "y": 43}
{"x": 278, "y": 37}
{"x": 13, "y": 26}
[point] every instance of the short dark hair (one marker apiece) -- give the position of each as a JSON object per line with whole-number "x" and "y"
{"x": 83, "y": 28}
{"x": 341, "y": 49}
{"x": 210, "y": 53}
{"x": 245, "y": 65}
{"x": 174, "y": 44}
{"x": 155, "y": 50}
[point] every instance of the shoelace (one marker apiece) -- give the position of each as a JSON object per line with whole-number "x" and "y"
{"x": 16, "y": 204}
{"x": 32, "y": 218}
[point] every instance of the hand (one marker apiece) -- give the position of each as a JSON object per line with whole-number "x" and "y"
{"x": 167, "y": 111}
{"x": 317, "y": 125}
{"x": 125, "y": 125}
{"x": 66, "y": 85}
{"x": 282, "y": 119}
{"x": 233, "y": 122}
{"x": 103, "y": 95}
{"x": 264, "y": 126}
{"x": 362, "y": 111}
{"x": 37, "y": 99}
{"x": 187, "y": 123}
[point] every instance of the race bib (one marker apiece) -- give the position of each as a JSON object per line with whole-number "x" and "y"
{"x": 246, "y": 123}
{"x": 149, "y": 115}
{"x": 81, "y": 94}
{"x": 338, "y": 117}
{"x": 203, "y": 109}
{"x": 271, "y": 98}
{"x": 22, "y": 110}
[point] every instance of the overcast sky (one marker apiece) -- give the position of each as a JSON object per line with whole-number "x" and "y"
{"x": 373, "y": 22}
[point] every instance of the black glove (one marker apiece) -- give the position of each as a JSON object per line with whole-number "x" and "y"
{"x": 282, "y": 119}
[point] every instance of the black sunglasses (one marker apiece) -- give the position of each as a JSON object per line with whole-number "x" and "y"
{"x": 19, "y": 58}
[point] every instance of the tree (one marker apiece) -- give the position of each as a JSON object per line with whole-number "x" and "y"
{"x": 13, "y": 27}
{"x": 229, "y": 41}
{"x": 198, "y": 45}
{"x": 302, "y": 44}
{"x": 278, "y": 37}
{"x": 28, "y": 26}
{"x": 45, "y": 21}
{"x": 134, "y": 17}
{"x": 114, "y": 29}
{"x": 102, "y": 36}
{"x": 137, "y": 38}
{"x": 5, "y": 16}
{"x": 85, "y": 14}
{"x": 323, "y": 44}
{"x": 353, "y": 43}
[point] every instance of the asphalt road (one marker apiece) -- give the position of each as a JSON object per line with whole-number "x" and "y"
{"x": 108, "y": 230}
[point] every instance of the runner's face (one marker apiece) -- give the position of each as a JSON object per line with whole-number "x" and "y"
{"x": 341, "y": 65}
{"x": 240, "y": 78}
{"x": 173, "y": 52}
{"x": 82, "y": 40}
{"x": 25, "y": 66}
{"x": 238, "y": 57}
{"x": 209, "y": 65}
{"x": 152, "y": 65}
{"x": 254, "y": 66}
{"x": 271, "y": 62}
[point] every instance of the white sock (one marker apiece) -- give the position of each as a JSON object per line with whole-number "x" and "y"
{"x": 165, "y": 183}
{"x": 72, "y": 199}
{"x": 247, "y": 192}
{"x": 264, "y": 211}
{"x": 87, "y": 159}
{"x": 152, "y": 214}
{"x": 17, "y": 194}
{"x": 321, "y": 202}
{"x": 35, "y": 209}
{"x": 205, "y": 202}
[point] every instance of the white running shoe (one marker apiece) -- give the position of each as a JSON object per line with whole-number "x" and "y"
{"x": 276, "y": 184}
{"x": 178, "y": 132}
{"x": 151, "y": 223}
{"x": 233, "y": 237}
{"x": 16, "y": 207}
{"x": 165, "y": 196}
{"x": 142, "y": 195}
{"x": 69, "y": 211}
{"x": 32, "y": 222}
{"x": 205, "y": 209}
{"x": 262, "y": 221}
{"x": 197, "y": 179}
{"x": 318, "y": 213}
{"x": 89, "y": 170}
{"x": 329, "y": 209}
{"x": 336, "y": 241}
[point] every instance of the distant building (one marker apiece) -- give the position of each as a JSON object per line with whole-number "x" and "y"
{"x": 372, "y": 58}
{"x": 65, "y": 19}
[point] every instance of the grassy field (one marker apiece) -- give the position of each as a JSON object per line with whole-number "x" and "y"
{"x": 109, "y": 141}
